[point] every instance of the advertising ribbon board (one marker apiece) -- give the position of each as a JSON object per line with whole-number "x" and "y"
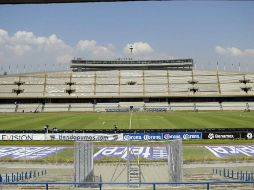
{"x": 221, "y": 135}
{"x": 63, "y": 136}
{"x": 142, "y": 136}
{"x": 182, "y": 135}
{"x": 21, "y": 137}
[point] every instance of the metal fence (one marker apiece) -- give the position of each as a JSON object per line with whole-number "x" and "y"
{"x": 100, "y": 185}
{"x": 20, "y": 176}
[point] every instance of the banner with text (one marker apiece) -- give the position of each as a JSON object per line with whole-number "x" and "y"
{"x": 146, "y": 152}
{"x": 62, "y": 136}
{"x": 236, "y": 150}
{"x": 162, "y": 136}
{"x": 221, "y": 135}
{"x": 143, "y": 136}
{"x": 182, "y": 135}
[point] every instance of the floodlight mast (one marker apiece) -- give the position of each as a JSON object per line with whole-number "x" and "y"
{"x": 131, "y": 49}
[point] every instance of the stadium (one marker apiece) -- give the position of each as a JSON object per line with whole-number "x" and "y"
{"x": 144, "y": 121}
{"x": 104, "y": 100}
{"x": 148, "y": 85}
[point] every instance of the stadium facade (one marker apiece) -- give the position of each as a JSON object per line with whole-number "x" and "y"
{"x": 94, "y": 85}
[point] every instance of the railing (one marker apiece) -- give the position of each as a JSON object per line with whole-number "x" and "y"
{"x": 20, "y": 176}
{"x": 239, "y": 175}
{"x": 100, "y": 185}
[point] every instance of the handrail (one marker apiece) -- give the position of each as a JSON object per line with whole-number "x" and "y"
{"x": 100, "y": 184}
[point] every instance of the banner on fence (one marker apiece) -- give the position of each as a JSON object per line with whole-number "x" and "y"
{"x": 221, "y": 135}
{"x": 22, "y": 137}
{"x": 85, "y": 137}
{"x": 143, "y": 136}
{"x": 102, "y": 137}
{"x": 182, "y": 135}
{"x": 63, "y": 136}
{"x": 147, "y": 152}
{"x": 162, "y": 136}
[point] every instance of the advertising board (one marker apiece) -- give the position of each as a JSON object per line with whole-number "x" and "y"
{"x": 221, "y": 135}
{"x": 143, "y": 136}
{"x": 236, "y": 150}
{"x": 62, "y": 136}
{"x": 182, "y": 135}
{"x": 146, "y": 152}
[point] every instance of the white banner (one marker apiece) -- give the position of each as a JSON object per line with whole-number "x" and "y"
{"x": 62, "y": 136}
{"x": 21, "y": 137}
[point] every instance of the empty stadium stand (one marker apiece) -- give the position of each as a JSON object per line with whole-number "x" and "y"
{"x": 116, "y": 83}
{"x": 118, "y": 90}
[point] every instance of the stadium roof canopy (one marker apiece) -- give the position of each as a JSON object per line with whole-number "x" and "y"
{"x": 174, "y": 64}
{"x": 61, "y": 1}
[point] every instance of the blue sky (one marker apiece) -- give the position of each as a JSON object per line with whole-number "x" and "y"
{"x": 206, "y": 31}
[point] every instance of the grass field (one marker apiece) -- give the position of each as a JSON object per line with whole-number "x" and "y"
{"x": 140, "y": 120}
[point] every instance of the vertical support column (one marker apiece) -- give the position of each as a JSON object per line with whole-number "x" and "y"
{"x": 168, "y": 82}
{"x": 218, "y": 81}
{"x": 128, "y": 162}
{"x": 175, "y": 161}
{"x": 208, "y": 186}
{"x": 83, "y": 162}
{"x": 143, "y": 75}
{"x": 70, "y": 84}
{"x": 192, "y": 75}
{"x": 45, "y": 84}
{"x": 94, "y": 87}
{"x": 119, "y": 83}
{"x": 70, "y": 77}
{"x": 19, "y": 84}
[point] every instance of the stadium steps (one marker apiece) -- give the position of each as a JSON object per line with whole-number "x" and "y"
{"x": 134, "y": 174}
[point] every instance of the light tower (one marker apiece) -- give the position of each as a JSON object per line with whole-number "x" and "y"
{"x": 131, "y": 49}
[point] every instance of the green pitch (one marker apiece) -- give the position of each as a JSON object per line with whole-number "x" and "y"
{"x": 140, "y": 120}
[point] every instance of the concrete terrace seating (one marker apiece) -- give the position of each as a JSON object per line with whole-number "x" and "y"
{"x": 126, "y": 106}
{"x": 139, "y": 105}
{"x": 56, "y": 107}
{"x": 174, "y": 106}
{"x": 208, "y": 106}
{"x": 127, "y": 83}
{"x": 7, "y": 108}
{"x": 207, "y": 83}
{"x": 230, "y": 84}
{"x": 131, "y": 83}
{"x": 156, "y": 106}
{"x": 178, "y": 82}
{"x": 234, "y": 105}
{"x": 117, "y": 109}
{"x": 29, "y": 108}
{"x": 107, "y": 83}
{"x": 159, "y": 109}
{"x": 155, "y": 82}
{"x": 81, "y": 107}
{"x": 104, "y": 106}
